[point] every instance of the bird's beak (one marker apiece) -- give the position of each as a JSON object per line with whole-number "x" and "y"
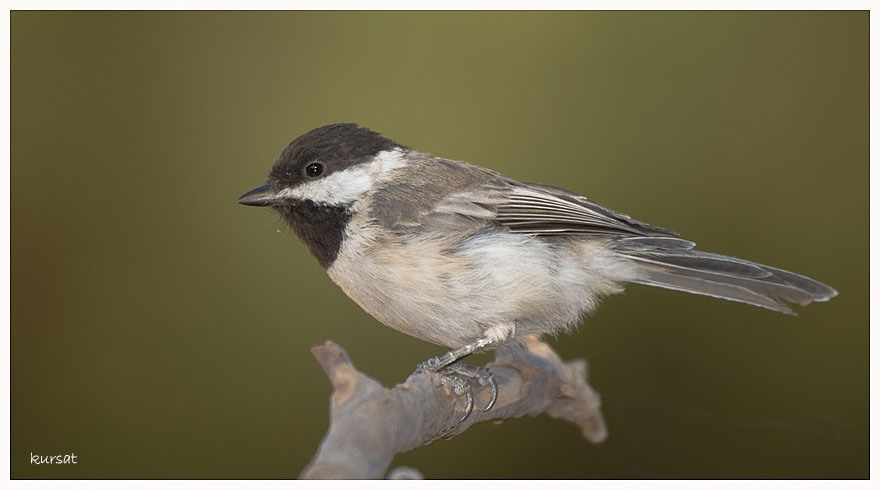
{"x": 261, "y": 196}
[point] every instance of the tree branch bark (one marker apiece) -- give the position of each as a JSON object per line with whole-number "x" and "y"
{"x": 370, "y": 424}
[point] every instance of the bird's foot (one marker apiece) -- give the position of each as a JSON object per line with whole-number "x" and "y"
{"x": 460, "y": 377}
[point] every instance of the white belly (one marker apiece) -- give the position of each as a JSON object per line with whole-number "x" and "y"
{"x": 422, "y": 289}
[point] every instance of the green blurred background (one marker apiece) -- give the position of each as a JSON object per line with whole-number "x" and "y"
{"x": 160, "y": 330}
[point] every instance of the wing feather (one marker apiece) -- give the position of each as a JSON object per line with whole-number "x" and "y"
{"x": 545, "y": 210}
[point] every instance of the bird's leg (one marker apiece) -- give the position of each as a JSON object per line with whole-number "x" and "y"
{"x": 453, "y": 371}
{"x": 435, "y": 364}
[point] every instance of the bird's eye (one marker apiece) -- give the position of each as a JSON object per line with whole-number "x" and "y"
{"x": 314, "y": 169}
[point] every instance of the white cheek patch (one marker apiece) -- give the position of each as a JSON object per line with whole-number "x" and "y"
{"x": 338, "y": 188}
{"x": 349, "y": 185}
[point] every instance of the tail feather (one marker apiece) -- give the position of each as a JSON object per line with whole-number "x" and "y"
{"x": 671, "y": 263}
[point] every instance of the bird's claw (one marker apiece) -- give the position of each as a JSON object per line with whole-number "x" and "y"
{"x": 461, "y": 387}
{"x": 457, "y": 375}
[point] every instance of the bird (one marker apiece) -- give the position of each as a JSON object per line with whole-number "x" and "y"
{"x": 463, "y": 257}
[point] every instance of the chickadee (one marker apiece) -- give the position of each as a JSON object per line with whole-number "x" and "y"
{"x": 464, "y": 257}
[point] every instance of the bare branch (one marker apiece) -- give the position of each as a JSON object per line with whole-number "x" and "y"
{"x": 370, "y": 424}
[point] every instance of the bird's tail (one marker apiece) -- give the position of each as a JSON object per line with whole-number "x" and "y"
{"x": 672, "y": 263}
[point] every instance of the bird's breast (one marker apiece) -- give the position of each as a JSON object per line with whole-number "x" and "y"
{"x": 450, "y": 294}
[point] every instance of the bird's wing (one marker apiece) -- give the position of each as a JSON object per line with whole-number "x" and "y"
{"x": 462, "y": 195}
{"x": 545, "y": 210}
